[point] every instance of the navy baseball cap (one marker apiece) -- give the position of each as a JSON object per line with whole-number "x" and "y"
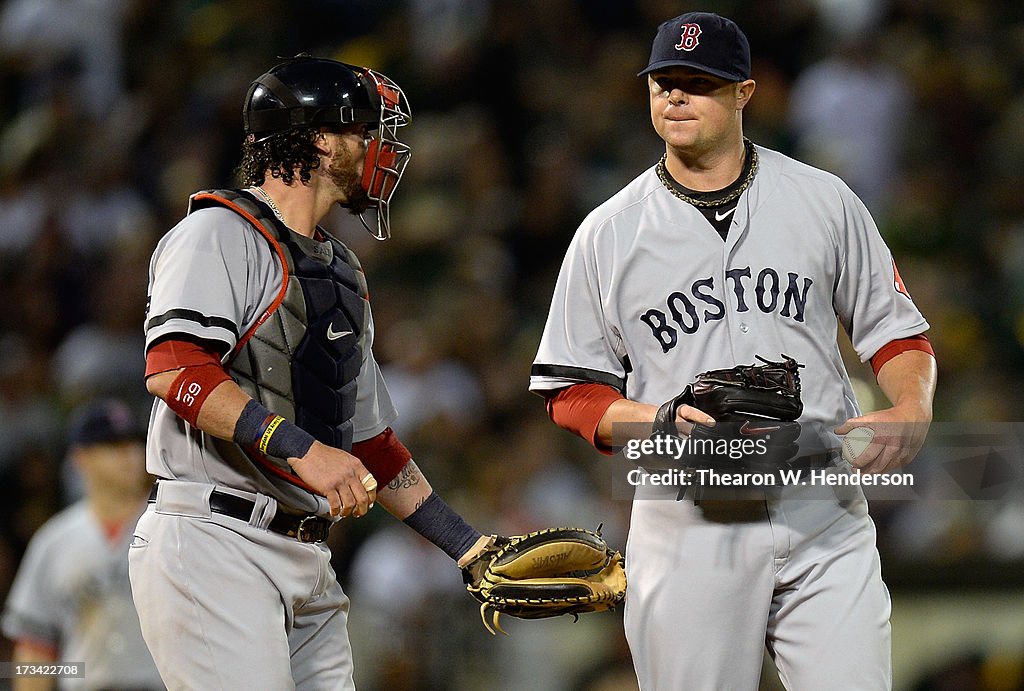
{"x": 103, "y": 422}
{"x": 703, "y": 41}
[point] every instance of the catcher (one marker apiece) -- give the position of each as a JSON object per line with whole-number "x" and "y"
{"x": 273, "y": 420}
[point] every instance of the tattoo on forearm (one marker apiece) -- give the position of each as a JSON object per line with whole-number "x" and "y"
{"x": 409, "y": 476}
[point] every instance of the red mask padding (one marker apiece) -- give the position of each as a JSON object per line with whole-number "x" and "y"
{"x": 378, "y": 180}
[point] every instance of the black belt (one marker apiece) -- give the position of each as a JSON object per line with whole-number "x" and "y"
{"x": 302, "y": 527}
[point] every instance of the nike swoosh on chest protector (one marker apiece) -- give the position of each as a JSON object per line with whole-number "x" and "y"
{"x": 333, "y": 335}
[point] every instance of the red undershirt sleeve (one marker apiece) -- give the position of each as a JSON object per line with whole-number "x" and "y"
{"x": 174, "y": 354}
{"x": 384, "y": 456}
{"x": 902, "y": 345}
{"x": 579, "y": 409}
{"x": 201, "y": 373}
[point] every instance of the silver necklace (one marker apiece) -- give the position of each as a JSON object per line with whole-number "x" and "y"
{"x": 663, "y": 176}
{"x": 270, "y": 202}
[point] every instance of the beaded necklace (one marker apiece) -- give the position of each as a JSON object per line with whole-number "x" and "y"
{"x": 706, "y": 203}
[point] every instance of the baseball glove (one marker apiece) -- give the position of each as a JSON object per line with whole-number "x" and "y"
{"x": 546, "y": 573}
{"x": 758, "y": 402}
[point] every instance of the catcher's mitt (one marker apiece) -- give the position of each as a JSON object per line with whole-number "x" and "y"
{"x": 546, "y": 574}
{"x": 759, "y": 402}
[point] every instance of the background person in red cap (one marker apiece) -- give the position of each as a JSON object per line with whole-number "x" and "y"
{"x": 71, "y": 601}
{"x": 721, "y": 252}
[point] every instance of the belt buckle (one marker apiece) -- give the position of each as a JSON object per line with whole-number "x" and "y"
{"x": 311, "y": 530}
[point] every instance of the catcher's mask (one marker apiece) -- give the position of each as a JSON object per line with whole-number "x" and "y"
{"x": 310, "y": 92}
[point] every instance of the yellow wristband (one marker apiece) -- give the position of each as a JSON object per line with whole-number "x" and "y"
{"x": 269, "y": 432}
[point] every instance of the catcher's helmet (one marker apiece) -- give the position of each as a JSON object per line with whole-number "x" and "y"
{"x": 314, "y": 92}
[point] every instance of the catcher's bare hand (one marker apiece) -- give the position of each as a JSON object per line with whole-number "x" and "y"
{"x": 483, "y": 544}
{"x": 899, "y": 435}
{"x": 340, "y": 477}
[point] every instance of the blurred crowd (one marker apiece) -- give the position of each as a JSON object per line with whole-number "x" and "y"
{"x": 526, "y": 114}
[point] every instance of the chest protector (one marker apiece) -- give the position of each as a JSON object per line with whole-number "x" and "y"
{"x": 302, "y": 356}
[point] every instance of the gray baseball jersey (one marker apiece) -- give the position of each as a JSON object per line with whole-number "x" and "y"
{"x": 72, "y": 594}
{"x": 649, "y": 295}
{"x": 212, "y": 276}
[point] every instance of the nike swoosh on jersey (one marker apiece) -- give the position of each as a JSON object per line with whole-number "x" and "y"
{"x": 333, "y": 335}
{"x": 725, "y": 215}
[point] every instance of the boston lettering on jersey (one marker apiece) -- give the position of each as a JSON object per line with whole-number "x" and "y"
{"x": 686, "y": 310}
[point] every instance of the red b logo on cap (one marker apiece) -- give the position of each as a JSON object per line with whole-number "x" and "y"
{"x": 688, "y": 41}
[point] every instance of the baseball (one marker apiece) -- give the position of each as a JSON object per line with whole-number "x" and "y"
{"x": 855, "y": 441}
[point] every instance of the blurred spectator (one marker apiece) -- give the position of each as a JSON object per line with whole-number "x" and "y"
{"x": 426, "y": 386}
{"x": 67, "y": 44}
{"x": 849, "y": 113}
{"x": 104, "y": 355}
{"x": 106, "y": 208}
{"x": 23, "y": 209}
